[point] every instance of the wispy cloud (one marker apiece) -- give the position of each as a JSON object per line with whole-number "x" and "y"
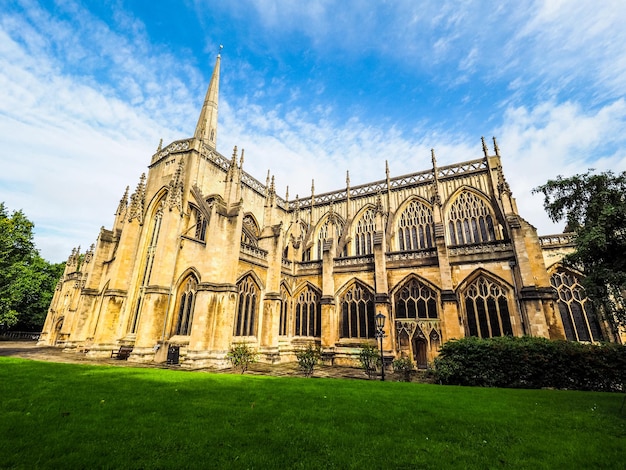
{"x": 310, "y": 90}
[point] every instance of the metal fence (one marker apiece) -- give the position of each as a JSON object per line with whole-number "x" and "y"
{"x": 20, "y": 335}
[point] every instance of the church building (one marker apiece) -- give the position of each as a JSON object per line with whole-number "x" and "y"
{"x": 202, "y": 256}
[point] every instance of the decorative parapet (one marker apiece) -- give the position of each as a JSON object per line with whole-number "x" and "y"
{"x": 175, "y": 147}
{"x": 250, "y": 181}
{"x": 354, "y": 260}
{"x": 558, "y": 240}
{"x": 309, "y": 265}
{"x": 286, "y": 263}
{"x": 399, "y": 182}
{"x": 472, "y": 166}
{"x": 254, "y": 251}
{"x": 364, "y": 190}
{"x": 496, "y": 247}
{"x": 409, "y": 255}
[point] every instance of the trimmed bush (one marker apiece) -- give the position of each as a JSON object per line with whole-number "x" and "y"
{"x": 530, "y": 362}
{"x": 369, "y": 357}
{"x": 241, "y": 356}
{"x": 404, "y": 368}
{"x": 308, "y": 358}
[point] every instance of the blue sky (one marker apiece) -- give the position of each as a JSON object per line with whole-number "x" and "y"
{"x": 309, "y": 89}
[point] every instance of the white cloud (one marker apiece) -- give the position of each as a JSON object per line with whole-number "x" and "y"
{"x": 558, "y": 139}
{"x": 69, "y": 145}
{"x": 83, "y": 103}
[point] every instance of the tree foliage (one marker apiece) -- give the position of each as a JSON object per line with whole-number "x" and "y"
{"x": 27, "y": 281}
{"x": 594, "y": 207}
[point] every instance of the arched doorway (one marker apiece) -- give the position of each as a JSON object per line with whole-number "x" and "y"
{"x": 420, "y": 349}
{"x": 57, "y": 331}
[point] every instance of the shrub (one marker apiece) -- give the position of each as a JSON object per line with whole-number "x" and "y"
{"x": 241, "y": 356}
{"x": 404, "y": 367}
{"x": 369, "y": 357}
{"x": 531, "y": 362}
{"x": 308, "y": 358}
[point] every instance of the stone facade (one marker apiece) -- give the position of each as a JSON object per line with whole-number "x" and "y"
{"x": 202, "y": 256}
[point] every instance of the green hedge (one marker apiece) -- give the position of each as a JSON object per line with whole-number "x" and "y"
{"x": 530, "y": 362}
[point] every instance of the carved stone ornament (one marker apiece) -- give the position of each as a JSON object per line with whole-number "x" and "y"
{"x": 137, "y": 201}
{"x": 122, "y": 208}
{"x": 89, "y": 254}
{"x": 175, "y": 196}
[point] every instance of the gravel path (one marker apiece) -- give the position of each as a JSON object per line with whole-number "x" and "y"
{"x": 30, "y": 350}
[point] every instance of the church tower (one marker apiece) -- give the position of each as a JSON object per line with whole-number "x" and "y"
{"x": 206, "y": 129}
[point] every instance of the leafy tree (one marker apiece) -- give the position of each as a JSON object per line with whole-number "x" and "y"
{"x": 594, "y": 207}
{"x": 27, "y": 281}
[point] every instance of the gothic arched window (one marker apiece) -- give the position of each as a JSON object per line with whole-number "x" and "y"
{"x": 357, "y": 313}
{"x": 247, "y": 308}
{"x": 330, "y": 229}
{"x": 186, "y": 305}
{"x": 487, "y": 309}
{"x": 470, "y": 220}
{"x": 579, "y": 320}
{"x": 308, "y": 315}
{"x": 285, "y": 309}
{"x": 148, "y": 262}
{"x": 415, "y": 227}
{"x": 199, "y": 223}
{"x": 415, "y": 300}
{"x": 249, "y": 231}
{"x": 364, "y": 233}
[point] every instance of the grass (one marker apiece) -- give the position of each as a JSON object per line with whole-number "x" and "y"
{"x": 86, "y": 416}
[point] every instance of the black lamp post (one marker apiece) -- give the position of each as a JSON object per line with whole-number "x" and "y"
{"x": 380, "y": 334}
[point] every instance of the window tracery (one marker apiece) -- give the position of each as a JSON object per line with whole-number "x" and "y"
{"x": 415, "y": 300}
{"x": 470, "y": 220}
{"x": 247, "y": 308}
{"x": 186, "y": 306}
{"x": 199, "y": 222}
{"x": 285, "y": 310}
{"x": 364, "y": 233}
{"x": 415, "y": 227}
{"x": 330, "y": 229}
{"x": 487, "y": 309}
{"x": 308, "y": 313}
{"x": 148, "y": 263}
{"x": 357, "y": 313}
{"x": 579, "y": 320}
{"x": 249, "y": 231}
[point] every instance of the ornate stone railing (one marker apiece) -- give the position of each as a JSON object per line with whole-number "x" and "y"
{"x": 254, "y": 251}
{"x": 494, "y": 247}
{"x": 398, "y": 182}
{"x": 409, "y": 255}
{"x": 364, "y": 190}
{"x": 286, "y": 263}
{"x": 175, "y": 147}
{"x": 560, "y": 239}
{"x": 354, "y": 260}
{"x": 309, "y": 264}
{"x": 471, "y": 166}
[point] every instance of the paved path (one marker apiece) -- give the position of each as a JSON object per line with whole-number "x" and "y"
{"x": 30, "y": 350}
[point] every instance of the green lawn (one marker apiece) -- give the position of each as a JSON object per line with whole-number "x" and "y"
{"x": 83, "y": 416}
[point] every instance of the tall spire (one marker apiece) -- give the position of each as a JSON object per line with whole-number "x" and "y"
{"x": 206, "y": 129}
